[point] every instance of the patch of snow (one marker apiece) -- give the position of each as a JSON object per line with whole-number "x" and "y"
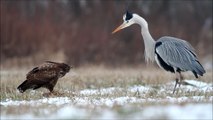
{"x": 185, "y": 99}
{"x": 110, "y": 102}
{"x": 189, "y": 111}
{"x": 109, "y": 90}
{"x": 88, "y": 92}
{"x": 68, "y": 112}
{"x": 164, "y": 89}
{"x": 197, "y": 83}
{"x": 170, "y": 112}
{"x": 139, "y": 88}
{"x": 82, "y": 101}
{"x": 55, "y": 101}
{"x": 102, "y": 91}
{"x": 118, "y": 101}
{"x": 29, "y": 116}
{"x": 200, "y": 85}
{"x": 106, "y": 114}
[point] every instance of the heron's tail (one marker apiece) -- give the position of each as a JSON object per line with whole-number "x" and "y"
{"x": 23, "y": 87}
{"x": 198, "y": 69}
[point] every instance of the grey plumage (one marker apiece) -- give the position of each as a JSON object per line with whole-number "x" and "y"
{"x": 179, "y": 54}
{"x": 170, "y": 53}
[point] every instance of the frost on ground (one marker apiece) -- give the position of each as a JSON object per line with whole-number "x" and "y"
{"x": 96, "y": 103}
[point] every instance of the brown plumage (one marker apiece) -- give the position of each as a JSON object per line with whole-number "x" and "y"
{"x": 45, "y": 75}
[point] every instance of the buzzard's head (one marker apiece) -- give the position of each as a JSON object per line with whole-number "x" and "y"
{"x": 65, "y": 67}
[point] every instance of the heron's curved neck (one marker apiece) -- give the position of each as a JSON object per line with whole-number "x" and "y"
{"x": 149, "y": 42}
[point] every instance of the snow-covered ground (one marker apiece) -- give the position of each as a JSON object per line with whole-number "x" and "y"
{"x": 82, "y": 106}
{"x": 188, "y": 111}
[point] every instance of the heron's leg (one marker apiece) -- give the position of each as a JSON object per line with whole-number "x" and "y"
{"x": 180, "y": 78}
{"x": 176, "y": 81}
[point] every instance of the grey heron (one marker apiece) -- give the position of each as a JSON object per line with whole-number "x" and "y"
{"x": 170, "y": 53}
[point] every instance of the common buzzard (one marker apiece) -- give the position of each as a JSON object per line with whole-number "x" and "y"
{"x": 45, "y": 75}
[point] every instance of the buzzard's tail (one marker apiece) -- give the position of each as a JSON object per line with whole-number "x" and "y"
{"x": 23, "y": 87}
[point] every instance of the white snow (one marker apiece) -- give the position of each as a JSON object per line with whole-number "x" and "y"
{"x": 189, "y": 111}
{"x": 71, "y": 111}
{"x": 170, "y": 112}
{"x": 99, "y": 91}
{"x": 110, "y": 102}
{"x": 56, "y": 101}
{"x": 139, "y": 88}
{"x": 199, "y": 85}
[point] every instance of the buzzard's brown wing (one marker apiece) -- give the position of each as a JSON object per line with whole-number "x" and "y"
{"x": 44, "y": 72}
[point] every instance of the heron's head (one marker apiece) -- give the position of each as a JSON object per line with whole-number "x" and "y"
{"x": 128, "y": 21}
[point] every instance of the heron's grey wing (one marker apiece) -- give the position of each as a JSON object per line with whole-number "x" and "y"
{"x": 180, "y": 42}
{"x": 178, "y": 54}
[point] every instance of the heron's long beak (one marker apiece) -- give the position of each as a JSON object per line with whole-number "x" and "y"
{"x": 120, "y": 27}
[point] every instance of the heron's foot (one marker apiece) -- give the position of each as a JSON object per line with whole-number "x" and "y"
{"x": 182, "y": 83}
{"x": 186, "y": 83}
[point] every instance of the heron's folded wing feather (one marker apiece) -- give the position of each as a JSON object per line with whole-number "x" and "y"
{"x": 176, "y": 53}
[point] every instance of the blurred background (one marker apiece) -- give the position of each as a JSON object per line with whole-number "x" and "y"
{"x": 79, "y": 31}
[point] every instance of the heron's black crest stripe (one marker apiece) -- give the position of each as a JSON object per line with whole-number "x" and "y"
{"x": 128, "y": 15}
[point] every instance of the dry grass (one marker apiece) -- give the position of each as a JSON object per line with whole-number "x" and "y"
{"x": 95, "y": 77}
